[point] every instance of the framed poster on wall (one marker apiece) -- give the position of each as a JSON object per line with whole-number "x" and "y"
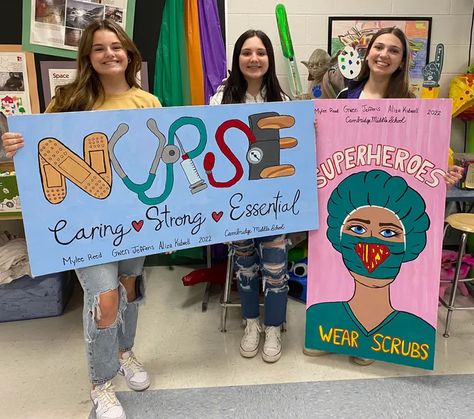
{"x": 54, "y": 27}
{"x": 18, "y": 88}
{"x": 56, "y": 73}
{"x": 356, "y": 31}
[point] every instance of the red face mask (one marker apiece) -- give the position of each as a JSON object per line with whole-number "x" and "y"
{"x": 371, "y": 254}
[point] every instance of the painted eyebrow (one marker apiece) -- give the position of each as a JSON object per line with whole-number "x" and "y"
{"x": 389, "y": 225}
{"x": 359, "y": 219}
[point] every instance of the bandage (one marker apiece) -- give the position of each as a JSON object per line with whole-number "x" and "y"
{"x": 54, "y": 185}
{"x": 96, "y": 155}
{"x": 71, "y": 166}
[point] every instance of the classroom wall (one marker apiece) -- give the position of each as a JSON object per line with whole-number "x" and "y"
{"x": 308, "y": 20}
{"x": 146, "y": 31}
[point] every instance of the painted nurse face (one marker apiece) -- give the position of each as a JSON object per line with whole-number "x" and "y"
{"x": 373, "y": 223}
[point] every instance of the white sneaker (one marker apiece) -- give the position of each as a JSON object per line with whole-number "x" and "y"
{"x": 272, "y": 347}
{"x": 361, "y": 361}
{"x": 135, "y": 375}
{"x": 250, "y": 339}
{"x": 315, "y": 352}
{"x": 106, "y": 404}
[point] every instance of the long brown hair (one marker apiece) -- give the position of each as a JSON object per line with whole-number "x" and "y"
{"x": 86, "y": 89}
{"x": 235, "y": 86}
{"x": 399, "y": 84}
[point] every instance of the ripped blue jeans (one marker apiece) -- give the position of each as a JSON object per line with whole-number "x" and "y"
{"x": 269, "y": 255}
{"x": 103, "y": 344}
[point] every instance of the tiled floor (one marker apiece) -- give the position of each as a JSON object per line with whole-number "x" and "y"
{"x": 43, "y": 373}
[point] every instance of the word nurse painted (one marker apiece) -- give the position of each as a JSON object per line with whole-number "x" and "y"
{"x": 193, "y": 176}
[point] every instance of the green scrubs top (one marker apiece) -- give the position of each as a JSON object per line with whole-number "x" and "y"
{"x": 402, "y": 337}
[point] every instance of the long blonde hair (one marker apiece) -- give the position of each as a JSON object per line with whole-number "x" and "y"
{"x": 86, "y": 89}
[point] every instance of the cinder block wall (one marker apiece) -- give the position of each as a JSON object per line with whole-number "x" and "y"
{"x": 308, "y": 20}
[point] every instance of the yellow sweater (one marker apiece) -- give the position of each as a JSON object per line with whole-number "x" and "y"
{"x": 133, "y": 98}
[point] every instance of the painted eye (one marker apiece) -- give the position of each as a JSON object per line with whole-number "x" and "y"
{"x": 387, "y": 233}
{"x": 357, "y": 229}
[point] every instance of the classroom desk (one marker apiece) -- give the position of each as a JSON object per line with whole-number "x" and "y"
{"x": 464, "y": 198}
{"x": 462, "y": 195}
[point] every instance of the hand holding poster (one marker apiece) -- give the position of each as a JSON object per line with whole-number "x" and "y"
{"x": 375, "y": 261}
{"x": 110, "y": 185}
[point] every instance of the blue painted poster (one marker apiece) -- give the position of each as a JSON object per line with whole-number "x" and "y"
{"x": 104, "y": 186}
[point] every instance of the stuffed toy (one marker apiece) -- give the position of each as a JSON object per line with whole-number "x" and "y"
{"x": 317, "y": 66}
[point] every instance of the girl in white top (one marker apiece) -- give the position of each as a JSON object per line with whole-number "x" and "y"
{"x": 253, "y": 80}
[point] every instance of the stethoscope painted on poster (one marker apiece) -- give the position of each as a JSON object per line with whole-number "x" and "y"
{"x": 168, "y": 153}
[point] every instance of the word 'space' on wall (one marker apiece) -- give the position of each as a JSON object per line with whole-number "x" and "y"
{"x": 103, "y": 186}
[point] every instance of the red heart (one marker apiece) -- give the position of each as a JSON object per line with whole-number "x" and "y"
{"x": 137, "y": 225}
{"x": 217, "y": 216}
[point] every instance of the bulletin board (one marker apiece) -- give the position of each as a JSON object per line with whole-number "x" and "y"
{"x": 146, "y": 30}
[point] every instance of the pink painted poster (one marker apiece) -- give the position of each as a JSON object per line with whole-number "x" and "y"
{"x": 374, "y": 263}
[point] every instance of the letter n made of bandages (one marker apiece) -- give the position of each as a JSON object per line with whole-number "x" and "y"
{"x": 92, "y": 174}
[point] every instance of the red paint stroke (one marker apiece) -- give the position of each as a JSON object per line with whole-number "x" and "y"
{"x": 210, "y": 159}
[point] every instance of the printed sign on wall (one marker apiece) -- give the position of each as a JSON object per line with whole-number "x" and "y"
{"x": 55, "y": 27}
{"x": 103, "y": 186}
{"x": 18, "y": 91}
{"x": 374, "y": 264}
